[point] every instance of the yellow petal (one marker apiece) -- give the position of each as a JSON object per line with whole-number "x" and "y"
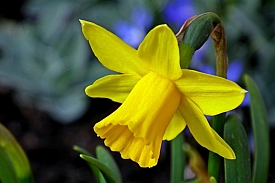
{"x": 120, "y": 138}
{"x": 212, "y": 94}
{"x": 115, "y": 87}
{"x": 111, "y": 51}
{"x": 160, "y": 50}
{"x": 176, "y": 126}
{"x": 202, "y": 131}
{"x": 137, "y": 127}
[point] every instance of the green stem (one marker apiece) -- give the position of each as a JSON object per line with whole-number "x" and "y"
{"x": 177, "y": 159}
{"x": 219, "y": 40}
{"x": 214, "y": 160}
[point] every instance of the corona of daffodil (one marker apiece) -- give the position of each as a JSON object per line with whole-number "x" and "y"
{"x": 158, "y": 97}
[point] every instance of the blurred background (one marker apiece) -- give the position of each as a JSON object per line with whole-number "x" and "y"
{"x": 45, "y": 64}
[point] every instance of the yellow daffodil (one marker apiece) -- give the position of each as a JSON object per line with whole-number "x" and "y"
{"x": 158, "y": 97}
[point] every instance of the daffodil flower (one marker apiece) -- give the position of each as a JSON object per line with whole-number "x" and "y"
{"x": 158, "y": 97}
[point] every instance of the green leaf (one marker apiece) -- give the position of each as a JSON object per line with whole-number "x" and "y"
{"x": 239, "y": 169}
{"x": 7, "y": 172}
{"x": 260, "y": 132}
{"x": 14, "y": 164}
{"x": 81, "y": 150}
{"x": 105, "y": 157}
{"x": 109, "y": 176}
{"x": 102, "y": 155}
{"x": 96, "y": 172}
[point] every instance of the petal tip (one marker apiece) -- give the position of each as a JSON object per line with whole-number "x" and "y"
{"x": 82, "y": 22}
{"x": 87, "y": 91}
{"x": 244, "y": 91}
{"x": 163, "y": 26}
{"x": 233, "y": 156}
{"x": 230, "y": 155}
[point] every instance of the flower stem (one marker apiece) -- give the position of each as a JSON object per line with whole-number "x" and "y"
{"x": 214, "y": 160}
{"x": 177, "y": 159}
{"x": 219, "y": 40}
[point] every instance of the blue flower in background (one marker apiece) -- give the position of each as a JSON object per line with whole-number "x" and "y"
{"x": 235, "y": 70}
{"x": 197, "y": 60}
{"x": 234, "y": 73}
{"x": 176, "y": 12}
{"x": 134, "y": 31}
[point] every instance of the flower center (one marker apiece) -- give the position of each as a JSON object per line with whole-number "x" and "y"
{"x": 137, "y": 127}
{"x": 152, "y": 102}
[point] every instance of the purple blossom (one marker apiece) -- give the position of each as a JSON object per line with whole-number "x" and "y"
{"x": 246, "y": 101}
{"x": 134, "y": 31}
{"x": 197, "y": 60}
{"x": 176, "y": 12}
{"x": 234, "y": 73}
{"x": 235, "y": 70}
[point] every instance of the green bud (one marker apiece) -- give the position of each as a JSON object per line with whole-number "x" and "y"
{"x": 199, "y": 30}
{"x": 195, "y": 32}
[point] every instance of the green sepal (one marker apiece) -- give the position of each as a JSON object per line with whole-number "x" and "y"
{"x": 239, "y": 169}
{"x": 14, "y": 164}
{"x": 260, "y": 132}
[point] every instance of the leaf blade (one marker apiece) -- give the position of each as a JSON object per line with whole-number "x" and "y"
{"x": 14, "y": 159}
{"x": 105, "y": 157}
{"x": 238, "y": 170}
{"x": 260, "y": 132}
{"x": 109, "y": 176}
